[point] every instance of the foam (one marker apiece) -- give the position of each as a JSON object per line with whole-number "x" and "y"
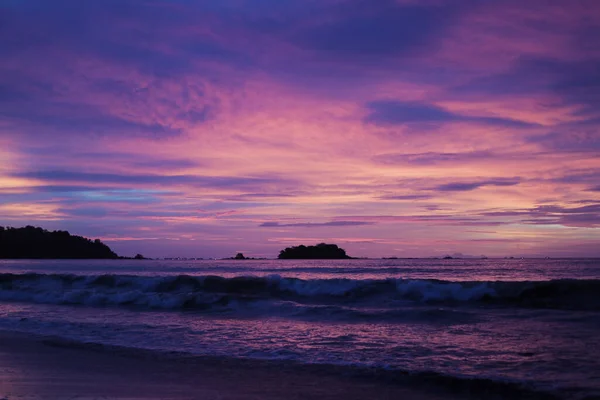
{"x": 215, "y": 292}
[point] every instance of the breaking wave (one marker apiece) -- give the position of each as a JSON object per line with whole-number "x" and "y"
{"x": 210, "y": 292}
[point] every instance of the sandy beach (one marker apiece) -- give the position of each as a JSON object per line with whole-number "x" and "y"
{"x": 38, "y": 368}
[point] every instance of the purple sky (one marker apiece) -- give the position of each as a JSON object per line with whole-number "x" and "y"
{"x": 391, "y": 128}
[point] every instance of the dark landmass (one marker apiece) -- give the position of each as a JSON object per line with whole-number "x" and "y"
{"x": 140, "y": 257}
{"x": 37, "y": 243}
{"x": 461, "y": 256}
{"x": 322, "y": 251}
{"x": 241, "y": 256}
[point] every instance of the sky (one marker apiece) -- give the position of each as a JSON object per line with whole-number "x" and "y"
{"x": 407, "y": 128}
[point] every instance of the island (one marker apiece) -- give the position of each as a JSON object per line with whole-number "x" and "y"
{"x": 36, "y": 243}
{"x": 321, "y": 251}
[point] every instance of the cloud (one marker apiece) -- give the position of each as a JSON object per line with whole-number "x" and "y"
{"x": 137, "y": 35}
{"x": 569, "y": 140}
{"x": 575, "y": 220}
{"x": 406, "y": 197}
{"x": 504, "y": 213}
{"x": 391, "y": 112}
{"x": 81, "y": 120}
{"x": 148, "y": 179}
{"x": 552, "y": 209}
{"x": 430, "y": 220}
{"x": 468, "y": 186}
{"x": 575, "y": 83}
{"x": 587, "y": 216}
{"x": 433, "y": 158}
{"x": 93, "y": 212}
{"x": 62, "y": 188}
{"x": 150, "y": 119}
{"x": 260, "y": 197}
{"x": 158, "y": 213}
{"x": 358, "y": 30}
{"x": 161, "y": 163}
{"x": 584, "y": 176}
{"x": 315, "y": 224}
{"x": 139, "y": 77}
{"x": 578, "y": 83}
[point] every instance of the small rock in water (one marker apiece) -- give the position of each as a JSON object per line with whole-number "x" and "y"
{"x": 527, "y": 354}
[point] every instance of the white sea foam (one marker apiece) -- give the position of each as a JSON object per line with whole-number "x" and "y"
{"x": 219, "y": 293}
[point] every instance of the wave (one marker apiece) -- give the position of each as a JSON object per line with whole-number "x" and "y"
{"x": 211, "y": 292}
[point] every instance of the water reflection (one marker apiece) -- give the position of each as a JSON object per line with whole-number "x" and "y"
{"x": 453, "y": 270}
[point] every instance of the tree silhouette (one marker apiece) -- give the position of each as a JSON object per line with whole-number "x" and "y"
{"x": 322, "y": 251}
{"x": 32, "y": 242}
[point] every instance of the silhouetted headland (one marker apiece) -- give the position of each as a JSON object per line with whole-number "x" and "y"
{"x": 38, "y": 243}
{"x": 322, "y": 251}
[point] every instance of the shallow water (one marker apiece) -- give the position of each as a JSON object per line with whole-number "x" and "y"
{"x": 531, "y": 322}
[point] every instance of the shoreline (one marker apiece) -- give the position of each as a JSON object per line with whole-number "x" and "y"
{"x": 45, "y": 367}
{"x": 39, "y": 367}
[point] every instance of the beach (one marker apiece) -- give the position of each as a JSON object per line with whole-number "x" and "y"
{"x": 35, "y": 367}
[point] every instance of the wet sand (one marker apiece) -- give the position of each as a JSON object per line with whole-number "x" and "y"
{"x": 40, "y": 368}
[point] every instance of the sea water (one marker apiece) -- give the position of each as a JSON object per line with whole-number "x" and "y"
{"x": 534, "y": 324}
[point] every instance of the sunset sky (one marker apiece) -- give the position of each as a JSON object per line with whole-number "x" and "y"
{"x": 401, "y": 128}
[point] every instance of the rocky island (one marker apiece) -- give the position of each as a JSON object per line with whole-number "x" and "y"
{"x": 36, "y": 243}
{"x": 321, "y": 251}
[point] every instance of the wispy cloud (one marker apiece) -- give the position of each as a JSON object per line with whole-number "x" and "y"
{"x": 468, "y": 186}
{"x": 314, "y": 224}
{"x": 386, "y": 112}
{"x": 161, "y": 180}
{"x": 407, "y": 197}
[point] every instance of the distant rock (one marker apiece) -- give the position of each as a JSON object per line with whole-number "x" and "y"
{"x": 241, "y": 256}
{"x": 321, "y": 251}
{"x": 462, "y": 256}
{"x": 38, "y": 243}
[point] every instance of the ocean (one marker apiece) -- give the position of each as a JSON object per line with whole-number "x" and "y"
{"x": 527, "y": 324}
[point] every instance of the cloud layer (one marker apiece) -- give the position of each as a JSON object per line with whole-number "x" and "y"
{"x": 400, "y": 127}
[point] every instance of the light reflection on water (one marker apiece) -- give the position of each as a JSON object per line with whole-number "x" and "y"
{"x": 451, "y": 270}
{"x": 530, "y": 345}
